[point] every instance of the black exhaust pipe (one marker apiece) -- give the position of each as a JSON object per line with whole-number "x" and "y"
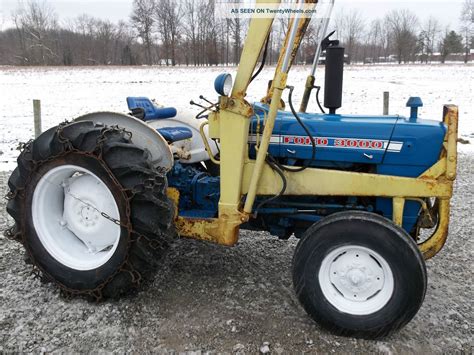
{"x": 334, "y": 76}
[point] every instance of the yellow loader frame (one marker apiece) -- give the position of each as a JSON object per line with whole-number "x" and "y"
{"x": 241, "y": 176}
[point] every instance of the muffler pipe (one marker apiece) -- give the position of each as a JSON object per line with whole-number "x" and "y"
{"x": 334, "y": 78}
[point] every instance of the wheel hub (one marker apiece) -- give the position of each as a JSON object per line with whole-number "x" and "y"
{"x": 68, "y": 206}
{"x": 85, "y": 199}
{"x": 356, "y": 280}
{"x": 89, "y": 215}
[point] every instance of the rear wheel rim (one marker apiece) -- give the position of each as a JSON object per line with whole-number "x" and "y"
{"x": 356, "y": 280}
{"x": 69, "y": 209}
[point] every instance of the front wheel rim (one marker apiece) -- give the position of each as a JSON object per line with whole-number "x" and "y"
{"x": 356, "y": 280}
{"x": 68, "y": 210}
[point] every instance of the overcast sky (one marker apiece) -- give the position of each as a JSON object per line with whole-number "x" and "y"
{"x": 447, "y": 12}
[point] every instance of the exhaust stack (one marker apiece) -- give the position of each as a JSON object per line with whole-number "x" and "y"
{"x": 334, "y": 77}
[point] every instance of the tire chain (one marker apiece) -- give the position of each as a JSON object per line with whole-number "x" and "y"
{"x": 15, "y": 234}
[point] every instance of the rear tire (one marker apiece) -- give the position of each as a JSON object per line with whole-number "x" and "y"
{"x": 357, "y": 274}
{"x": 107, "y": 236}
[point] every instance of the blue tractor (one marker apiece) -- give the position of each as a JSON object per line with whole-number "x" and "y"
{"x": 96, "y": 201}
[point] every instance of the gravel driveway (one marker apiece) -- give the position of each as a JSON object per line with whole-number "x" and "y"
{"x": 209, "y": 298}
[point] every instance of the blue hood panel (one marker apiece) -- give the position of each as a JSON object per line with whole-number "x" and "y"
{"x": 379, "y": 140}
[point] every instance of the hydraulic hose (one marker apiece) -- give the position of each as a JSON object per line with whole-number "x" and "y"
{"x": 274, "y": 165}
{"x": 308, "y": 133}
{"x": 264, "y": 58}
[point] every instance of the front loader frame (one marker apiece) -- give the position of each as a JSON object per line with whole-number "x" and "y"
{"x": 241, "y": 176}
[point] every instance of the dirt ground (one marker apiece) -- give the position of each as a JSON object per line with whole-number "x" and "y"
{"x": 212, "y": 299}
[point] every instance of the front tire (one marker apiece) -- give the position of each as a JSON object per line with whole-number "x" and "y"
{"x": 90, "y": 209}
{"x": 357, "y": 274}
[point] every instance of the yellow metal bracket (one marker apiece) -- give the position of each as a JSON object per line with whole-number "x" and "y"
{"x": 398, "y": 206}
{"x": 236, "y": 105}
{"x": 280, "y": 84}
{"x": 206, "y": 143}
{"x": 436, "y": 241}
{"x": 450, "y": 118}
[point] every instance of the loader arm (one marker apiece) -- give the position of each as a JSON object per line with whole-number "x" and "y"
{"x": 234, "y": 117}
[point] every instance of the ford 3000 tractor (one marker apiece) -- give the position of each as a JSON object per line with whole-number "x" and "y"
{"x": 96, "y": 201}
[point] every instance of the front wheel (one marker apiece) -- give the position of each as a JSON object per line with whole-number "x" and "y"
{"x": 357, "y": 274}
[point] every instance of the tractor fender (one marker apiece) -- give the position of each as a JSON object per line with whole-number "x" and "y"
{"x": 194, "y": 148}
{"x": 143, "y": 135}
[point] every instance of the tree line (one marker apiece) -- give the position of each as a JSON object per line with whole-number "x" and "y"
{"x": 401, "y": 37}
{"x": 186, "y": 32}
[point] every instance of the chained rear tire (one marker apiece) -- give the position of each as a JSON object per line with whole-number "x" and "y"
{"x": 357, "y": 274}
{"x": 90, "y": 209}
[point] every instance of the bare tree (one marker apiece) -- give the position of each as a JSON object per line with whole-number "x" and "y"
{"x": 467, "y": 26}
{"x": 85, "y": 27}
{"x": 350, "y": 28}
{"x": 168, "y": 20}
{"x": 37, "y": 39}
{"x": 142, "y": 19}
{"x": 403, "y": 25}
{"x": 190, "y": 26}
{"x": 208, "y": 34}
{"x": 309, "y": 44}
{"x": 212, "y": 37}
{"x": 236, "y": 35}
{"x": 372, "y": 47}
{"x": 428, "y": 38}
{"x": 105, "y": 40}
{"x": 35, "y": 21}
{"x": 124, "y": 44}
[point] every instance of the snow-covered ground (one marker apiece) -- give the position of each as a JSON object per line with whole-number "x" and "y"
{"x": 66, "y": 93}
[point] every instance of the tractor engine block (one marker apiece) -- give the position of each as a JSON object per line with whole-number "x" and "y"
{"x": 199, "y": 191}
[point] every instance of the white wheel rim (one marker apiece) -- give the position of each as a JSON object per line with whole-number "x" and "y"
{"x": 356, "y": 280}
{"x": 67, "y": 210}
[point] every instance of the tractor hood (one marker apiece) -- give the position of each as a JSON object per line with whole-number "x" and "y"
{"x": 352, "y": 139}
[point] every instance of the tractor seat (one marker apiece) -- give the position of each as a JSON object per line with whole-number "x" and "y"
{"x": 151, "y": 111}
{"x": 175, "y": 134}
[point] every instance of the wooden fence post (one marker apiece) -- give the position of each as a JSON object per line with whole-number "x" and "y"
{"x": 37, "y": 117}
{"x": 386, "y": 99}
